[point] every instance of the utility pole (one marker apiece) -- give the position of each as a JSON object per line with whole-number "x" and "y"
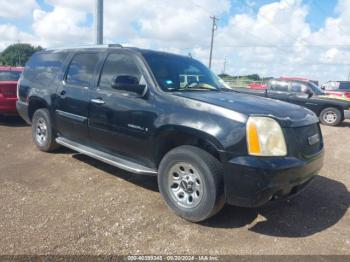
{"x": 212, "y": 38}
{"x": 225, "y": 61}
{"x": 99, "y": 22}
{"x": 19, "y": 53}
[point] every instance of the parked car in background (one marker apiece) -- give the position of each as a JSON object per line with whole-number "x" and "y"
{"x": 331, "y": 110}
{"x": 258, "y": 86}
{"x": 8, "y": 89}
{"x": 168, "y": 115}
{"x": 337, "y": 88}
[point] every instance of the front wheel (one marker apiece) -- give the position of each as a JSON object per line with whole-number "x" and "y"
{"x": 330, "y": 116}
{"x": 190, "y": 180}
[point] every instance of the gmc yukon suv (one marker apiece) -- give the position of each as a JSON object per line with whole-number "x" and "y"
{"x": 169, "y": 116}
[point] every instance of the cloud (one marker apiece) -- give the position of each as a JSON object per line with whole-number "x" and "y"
{"x": 273, "y": 40}
{"x": 62, "y": 26}
{"x": 11, "y": 34}
{"x": 16, "y": 9}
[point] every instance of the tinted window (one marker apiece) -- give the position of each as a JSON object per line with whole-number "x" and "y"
{"x": 344, "y": 85}
{"x": 299, "y": 88}
{"x": 118, "y": 65}
{"x": 43, "y": 67}
{"x": 9, "y": 75}
{"x": 279, "y": 86}
{"x": 81, "y": 69}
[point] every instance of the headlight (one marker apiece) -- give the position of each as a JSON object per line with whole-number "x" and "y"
{"x": 265, "y": 137}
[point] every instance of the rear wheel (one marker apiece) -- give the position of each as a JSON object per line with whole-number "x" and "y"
{"x": 330, "y": 116}
{"x": 42, "y": 132}
{"x": 190, "y": 180}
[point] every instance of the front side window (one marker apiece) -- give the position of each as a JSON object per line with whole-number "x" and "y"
{"x": 119, "y": 65}
{"x": 280, "y": 86}
{"x": 81, "y": 69}
{"x": 178, "y": 73}
{"x": 9, "y": 75}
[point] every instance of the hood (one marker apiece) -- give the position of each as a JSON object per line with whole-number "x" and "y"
{"x": 334, "y": 98}
{"x": 289, "y": 115}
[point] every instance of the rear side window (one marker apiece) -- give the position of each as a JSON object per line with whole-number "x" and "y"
{"x": 9, "y": 75}
{"x": 43, "y": 67}
{"x": 81, "y": 69}
{"x": 118, "y": 65}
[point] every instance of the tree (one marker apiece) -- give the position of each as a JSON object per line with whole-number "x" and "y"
{"x": 17, "y": 54}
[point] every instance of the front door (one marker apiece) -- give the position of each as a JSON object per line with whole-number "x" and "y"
{"x": 71, "y": 110}
{"x": 121, "y": 122}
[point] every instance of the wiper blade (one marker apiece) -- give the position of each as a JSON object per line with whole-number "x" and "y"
{"x": 199, "y": 86}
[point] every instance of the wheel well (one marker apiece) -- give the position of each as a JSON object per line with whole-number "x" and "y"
{"x": 35, "y": 104}
{"x": 175, "y": 139}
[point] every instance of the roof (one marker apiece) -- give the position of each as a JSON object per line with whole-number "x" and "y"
{"x": 293, "y": 78}
{"x": 11, "y": 68}
{"x": 109, "y": 46}
{"x": 84, "y": 47}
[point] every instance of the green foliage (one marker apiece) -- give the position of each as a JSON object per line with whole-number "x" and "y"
{"x": 17, "y": 54}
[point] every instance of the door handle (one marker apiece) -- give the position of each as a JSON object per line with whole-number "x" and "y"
{"x": 98, "y": 101}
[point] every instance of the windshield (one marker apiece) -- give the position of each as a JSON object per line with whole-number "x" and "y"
{"x": 178, "y": 74}
{"x": 9, "y": 75}
{"x": 316, "y": 89}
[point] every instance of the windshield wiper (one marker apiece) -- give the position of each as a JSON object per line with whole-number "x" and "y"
{"x": 199, "y": 86}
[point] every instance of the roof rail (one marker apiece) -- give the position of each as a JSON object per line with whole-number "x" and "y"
{"x": 85, "y": 47}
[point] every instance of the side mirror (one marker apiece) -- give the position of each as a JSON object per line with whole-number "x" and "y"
{"x": 309, "y": 93}
{"x": 128, "y": 83}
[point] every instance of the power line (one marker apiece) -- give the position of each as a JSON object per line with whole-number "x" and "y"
{"x": 214, "y": 28}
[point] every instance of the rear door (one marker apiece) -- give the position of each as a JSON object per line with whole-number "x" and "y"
{"x": 73, "y": 96}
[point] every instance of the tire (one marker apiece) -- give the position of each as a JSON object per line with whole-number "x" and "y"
{"x": 195, "y": 175}
{"x": 42, "y": 132}
{"x": 330, "y": 116}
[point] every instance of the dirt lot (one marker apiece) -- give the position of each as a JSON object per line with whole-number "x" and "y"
{"x": 66, "y": 203}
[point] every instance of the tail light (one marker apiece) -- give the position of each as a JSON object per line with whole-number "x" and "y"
{"x": 18, "y": 86}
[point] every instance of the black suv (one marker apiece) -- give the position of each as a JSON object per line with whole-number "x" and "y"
{"x": 167, "y": 115}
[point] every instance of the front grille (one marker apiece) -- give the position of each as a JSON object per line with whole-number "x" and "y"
{"x": 298, "y": 141}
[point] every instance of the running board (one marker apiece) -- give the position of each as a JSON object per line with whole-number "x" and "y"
{"x": 107, "y": 158}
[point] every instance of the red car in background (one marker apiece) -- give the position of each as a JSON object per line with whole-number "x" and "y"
{"x": 257, "y": 86}
{"x": 337, "y": 88}
{"x": 8, "y": 89}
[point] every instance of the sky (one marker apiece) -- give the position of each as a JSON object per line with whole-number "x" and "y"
{"x": 305, "y": 38}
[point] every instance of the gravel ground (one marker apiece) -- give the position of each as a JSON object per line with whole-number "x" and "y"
{"x": 67, "y": 203}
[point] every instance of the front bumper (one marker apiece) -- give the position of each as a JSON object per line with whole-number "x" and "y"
{"x": 253, "y": 181}
{"x": 346, "y": 114}
{"x": 8, "y": 106}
